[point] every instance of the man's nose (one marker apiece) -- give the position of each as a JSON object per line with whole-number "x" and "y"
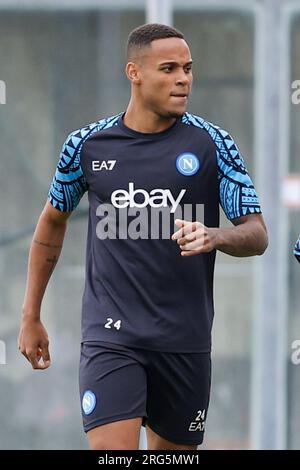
{"x": 183, "y": 78}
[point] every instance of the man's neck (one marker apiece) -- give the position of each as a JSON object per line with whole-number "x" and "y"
{"x": 145, "y": 121}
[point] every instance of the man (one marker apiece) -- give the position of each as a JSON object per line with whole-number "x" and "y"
{"x": 148, "y": 300}
{"x": 297, "y": 249}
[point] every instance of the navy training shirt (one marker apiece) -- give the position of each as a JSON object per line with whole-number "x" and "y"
{"x": 139, "y": 290}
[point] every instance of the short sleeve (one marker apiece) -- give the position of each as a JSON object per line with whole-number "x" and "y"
{"x": 68, "y": 184}
{"x": 236, "y": 191}
{"x": 297, "y": 249}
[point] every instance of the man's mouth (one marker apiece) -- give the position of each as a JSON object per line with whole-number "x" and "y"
{"x": 180, "y": 95}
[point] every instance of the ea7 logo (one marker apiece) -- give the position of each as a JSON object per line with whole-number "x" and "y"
{"x": 199, "y": 423}
{"x": 98, "y": 165}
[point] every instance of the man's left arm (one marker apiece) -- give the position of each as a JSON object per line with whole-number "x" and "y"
{"x": 248, "y": 237}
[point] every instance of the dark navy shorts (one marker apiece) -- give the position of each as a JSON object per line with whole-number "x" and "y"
{"x": 170, "y": 391}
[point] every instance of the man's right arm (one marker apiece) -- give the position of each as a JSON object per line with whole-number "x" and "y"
{"x": 44, "y": 252}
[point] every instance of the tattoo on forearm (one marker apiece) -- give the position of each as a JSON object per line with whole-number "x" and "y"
{"x": 48, "y": 245}
{"x": 53, "y": 261}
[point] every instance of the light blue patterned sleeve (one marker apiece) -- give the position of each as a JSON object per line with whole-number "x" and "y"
{"x": 297, "y": 249}
{"x": 236, "y": 190}
{"x": 68, "y": 184}
{"x": 237, "y": 194}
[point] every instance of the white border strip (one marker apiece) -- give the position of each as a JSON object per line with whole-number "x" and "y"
{"x": 72, "y": 4}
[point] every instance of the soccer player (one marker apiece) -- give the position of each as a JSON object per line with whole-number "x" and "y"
{"x": 147, "y": 308}
{"x": 297, "y": 249}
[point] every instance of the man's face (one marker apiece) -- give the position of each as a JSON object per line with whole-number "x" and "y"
{"x": 165, "y": 71}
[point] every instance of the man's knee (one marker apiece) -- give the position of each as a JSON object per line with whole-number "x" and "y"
{"x": 120, "y": 435}
{"x": 105, "y": 443}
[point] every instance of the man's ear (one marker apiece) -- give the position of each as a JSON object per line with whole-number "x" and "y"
{"x": 133, "y": 73}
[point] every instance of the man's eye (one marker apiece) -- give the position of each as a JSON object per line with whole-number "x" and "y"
{"x": 188, "y": 69}
{"x": 167, "y": 68}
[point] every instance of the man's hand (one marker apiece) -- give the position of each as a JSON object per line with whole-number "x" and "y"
{"x": 33, "y": 343}
{"x": 194, "y": 238}
{"x": 248, "y": 237}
